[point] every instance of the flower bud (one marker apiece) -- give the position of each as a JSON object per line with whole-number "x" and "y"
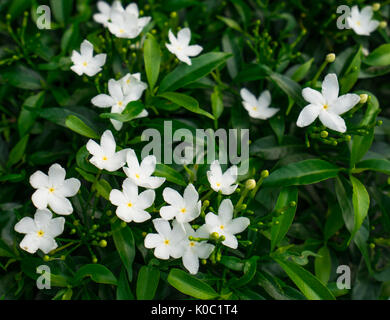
{"x": 73, "y": 231}
{"x": 363, "y": 98}
{"x": 103, "y": 243}
{"x": 324, "y": 134}
{"x": 372, "y": 245}
{"x": 376, "y": 6}
{"x": 214, "y": 235}
{"x": 264, "y": 173}
{"x": 94, "y": 259}
{"x": 95, "y": 226}
{"x": 222, "y": 238}
{"x": 203, "y": 261}
{"x": 206, "y": 203}
{"x": 173, "y": 14}
{"x": 46, "y": 258}
{"x": 347, "y": 137}
{"x": 62, "y": 258}
{"x": 123, "y": 224}
{"x": 144, "y": 234}
{"x": 330, "y": 57}
{"x": 293, "y": 204}
{"x": 250, "y": 184}
{"x": 243, "y": 206}
{"x": 383, "y": 24}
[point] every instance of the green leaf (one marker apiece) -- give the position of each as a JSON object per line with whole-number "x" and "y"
{"x": 185, "y": 101}
{"x": 379, "y": 57}
{"x": 301, "y": 173}
{"x": 309, "y": 285}
{"x": 97, "y": 272}
{"x": 185, "y": 74}
{"x": 289, "y": 87}
{"x": 351, "y": 72}
{"x": 250, "y": 268}
{"x": 27, "y": 118}
{"x": 361, "y": 202}
{"x": 77, "y": 125}
{"x": 380, "y": 165}
{"x": 300, "y": 73}
{"x": 232, "y": 263}
{"x": 152, "y": 58}
{"x": 147, "y": 282}
{"x": 361, "y": 144}
{"x": 18, "y": 151}
{"x": 125, "y": 245}
{"x": 123, "y": 291}
{"x": 230, "y": 23}
{"x": 132, "y": 110}
{"x": 216, "y": 103}
{"x": 170, "y": 174}
{"x": 61, "y": 10}
{"x": 279, "y": 230}
{"x": 323, "y": 265}
{"x": 190, "y": 285}
{"x": 344, "y": 198}
{"x": 103, "y": 188}
{"x": 21, "y": 77}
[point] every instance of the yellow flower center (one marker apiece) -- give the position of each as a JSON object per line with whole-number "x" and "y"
{"x": 325, "y": 106}
{"x": 218, "y": 184}
{"x": 184, "y": 210}
{"x": 120, "y": 103}
{"x": 222, "y": 227}
{"x": 192, "y": 244}
{"x": 137, "y": 175}
{"x": 254, "y": 108}
{"x": 358, "y": 23}
{"x": 51, "y": 190}
{"x": 105, "y": 158}
{"x": 40, "y": 233}
{"x": 166, "y": 242}
{"x": 85, "y": 63}
{"x": 128, "y": 81}
{"x": 129, "y": 204}
{"x": 121, "y": 31}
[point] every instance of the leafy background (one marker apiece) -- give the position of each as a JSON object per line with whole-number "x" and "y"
{"x": 322, "y": 206}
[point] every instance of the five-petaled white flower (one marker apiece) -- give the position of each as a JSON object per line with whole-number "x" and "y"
{"x": 166, "y": 242}
{"x": 126, "y": 23}
{"x": 258, "y": 108}
{"x": 104, "y": 156}
{"x": 184, "y": 209}
{"x": 105, "y": 11}
{"x": 222, "y": 182}
{"x": 85, "y": 62}
{"x": 117, "y": 100}
{"x": 131, "y": 205}
{"x": 361, "y": 21}
{"x": 141, "y": 175}
{"x": 40, "y": 231}
{"x": 327, "y": 106}
{"x": 53, "y": 190}
{"x": 224, "y": 224}
{"x": 180, "y": 46}
{"x": 192, "y": 250}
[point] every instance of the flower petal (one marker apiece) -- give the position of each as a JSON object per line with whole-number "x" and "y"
{"x": 193, "y": 50}
{"x": 308, "y": 115}
{"x": 69, "y": 188}
{"x": 162, "y": 226}
{"x": 56, "y": 226}
{"x": 103, "y": 101}
{"x": 225, "y": 211}
{"x": 173, "y": 197}
{"x": 330, "y": 88}
{"x": 264, "y": 99}
{"x": 162, "y": 252}
{"x": 204, "y": 250}
{"x": 333, "y": 121}
{"x": 40, "y": 198}
{"x": 42, "y": 218}
{"x": 146, "y": 199}
{"x": 117, "y": 198}
{"x": 230, "y": 241}
{"x": 168, "y": 212}
{"x": 86, "y": 49}
{"x": 39, "y": 180}
{"x": 344, "y": 103}
{"x": 191, "y": 196}
{"x": 152, "y": 240}
{"x": 56, "y": 175}
{"x": 94, "y": 148}
{"x": 191, "y": 262}
{"x": 47, "y": 244}
{"x": 248, "y": 97}
{"x": 212, "y": 220}
{"x": 313, "y": 96}
{"x": 30, "y": 243}
{"x": 237, "y": 225}
{"x": 115, "y": 90}
{"x": 148, "y": 165}
{"x": 184, "y": 36}
{"x": 60, "y": 205}
{"x": 108, "y": 143}
{"x": 26, "y": 225}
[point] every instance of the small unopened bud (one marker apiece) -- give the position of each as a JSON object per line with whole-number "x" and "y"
{"x": 214, "y": 235}
{"x": 379, "y": 123}
{"x": 123, "y": 224}
{"x": 363, "y": 98}
{"x": 94, "y": 259}
{"x": 264, "y": 173}
{"x": 324, "y": 134}
{"x": 173, "y": 14}
{"x": 95, "y": 226}
{"x": 293, "y": 204}
{"x": 376, "y": 6}
{"x": 222, "y": 238}
{"x": 238, "y": 190}
{"x": 103, "y": 243}
{"x": 372, "y": 245}
{"x": 203, "y": 261}
{"x": 383, "y": 24}
{"x": 144, "y": 234}
{"x": 250, "y": 184}
{"x": 73, "y": 231}
{"x": 243, "y": 206}
{"x": 76, "y": 222}
{"x": 330, "y": 57}
{"x": 108, "y": 213}
{"x": 347, "y": 137}
{"x": 206, "y": 203}
{"x": 62, "y": 258}
{"x": 46, "y": 258}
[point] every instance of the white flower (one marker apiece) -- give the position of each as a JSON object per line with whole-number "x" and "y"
{"x": 53, "y": 190}
{"x": 180, "y": 46}
{"x": 126, "y": 23}
{"x": 131, "y": 206}
{"x": 184, "y": 209}
{"x": 222, "y": 182}
{"x": 118, "y": 100}
{"x": 40, "y": 231}
{"x": 141, "y": 175}
{"x": 361, "y": 22}
{"x": 104, "y": 155}
{"x": 105, "y": 11}
{"x": 328, "y": 106}
{"x": 167, "y": 241}
{"x": 192, "y": 251}
{"x": 258, "y": 108}
{"x": 224, "y": 224}
{"x": 86, "y": 62}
